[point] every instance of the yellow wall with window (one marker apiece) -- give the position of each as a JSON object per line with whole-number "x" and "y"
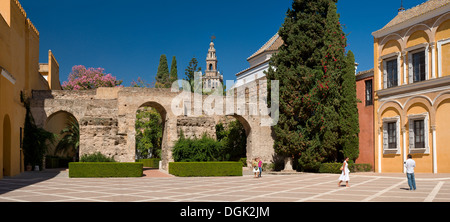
{"x": 425, "y": 102}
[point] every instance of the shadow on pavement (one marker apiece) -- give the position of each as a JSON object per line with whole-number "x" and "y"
{"x": 28, "y": 178}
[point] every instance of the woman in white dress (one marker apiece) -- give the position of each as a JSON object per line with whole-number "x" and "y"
{"x": 255, "y": 167}
{"x": 345, "y": 173}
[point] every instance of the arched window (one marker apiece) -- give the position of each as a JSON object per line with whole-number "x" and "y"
{"x": 210, "y": 66}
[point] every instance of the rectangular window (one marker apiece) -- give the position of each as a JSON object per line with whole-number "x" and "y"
{"x": 369, "y": 97}
{"x": 391, "y": 71}
{"x": 418, "y": 62}
{"x": 392, "y": 135}
{"x": 419, "y": 134}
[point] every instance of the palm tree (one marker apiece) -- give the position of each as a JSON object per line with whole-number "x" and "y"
{"x": 71, "y": 138}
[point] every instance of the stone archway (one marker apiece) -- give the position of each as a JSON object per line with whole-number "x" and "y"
{"x": 147, "y": 111}
{"x": 57, "y": 122}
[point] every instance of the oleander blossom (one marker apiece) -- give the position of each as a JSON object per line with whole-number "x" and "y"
{"x": 81, "y": 79}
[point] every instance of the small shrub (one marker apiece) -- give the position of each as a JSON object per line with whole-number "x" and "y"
{"x": 96, "y": 157}
{"x": 353, "y": 167}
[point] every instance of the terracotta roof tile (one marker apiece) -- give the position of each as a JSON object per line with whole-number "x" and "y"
{"x": 272, "y": 45}
{"x": 415, "y": 12}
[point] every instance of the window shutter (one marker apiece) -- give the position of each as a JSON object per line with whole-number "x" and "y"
{"x": 384, "y": 75}
{"x": 385, "y": 136}
{"x": 426, "y": 63}
{"x": 411, "y": 134}
{"x": 410, "y": 69}
{"x": 399, "y": 68}
{"x": 426, "y": 132}
{"x": 397, "y": 130}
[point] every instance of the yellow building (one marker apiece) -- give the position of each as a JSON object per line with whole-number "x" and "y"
{"x": 412, "y": 89}
{"x": 20, "y": 74}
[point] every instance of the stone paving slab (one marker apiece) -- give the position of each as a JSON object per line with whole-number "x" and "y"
{"x": 300, "y": 187}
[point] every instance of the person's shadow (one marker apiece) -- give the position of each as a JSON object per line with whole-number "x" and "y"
{"x": 404, "y": 188}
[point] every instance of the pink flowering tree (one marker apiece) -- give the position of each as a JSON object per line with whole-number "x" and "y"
{"x": 81, "y": 79}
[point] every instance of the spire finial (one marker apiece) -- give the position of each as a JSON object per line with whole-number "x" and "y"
{"x": 401, "y": 9}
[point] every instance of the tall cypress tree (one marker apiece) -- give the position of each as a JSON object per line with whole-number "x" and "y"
{"x": 349, "y": 112}
{"x": 309, "y": 67}
{"x": 298, "y": 66}
{"x": 162, "y": 75}
{"x": 173, "y": 70}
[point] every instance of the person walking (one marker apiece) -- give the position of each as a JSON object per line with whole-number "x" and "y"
{"x": 255, "y": 166}
{"x": 410, "y": 164}
{"x": 345, "y": 174}
{"x": 259, "y": 166}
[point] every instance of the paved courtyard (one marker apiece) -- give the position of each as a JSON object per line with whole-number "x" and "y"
{"x": 56, "y": 186}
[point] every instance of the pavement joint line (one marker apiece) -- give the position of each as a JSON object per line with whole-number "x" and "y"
{"x": 382, "y": 192}
{"x": 228, "y": 189}
{"x": 435, "y": 191}
{"x": 333, "y": 191}
{"x": 283, "y": 191}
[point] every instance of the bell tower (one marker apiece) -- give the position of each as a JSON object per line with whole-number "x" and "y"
{"x": 211, "y": 60}
{"x": 212, "y": 77}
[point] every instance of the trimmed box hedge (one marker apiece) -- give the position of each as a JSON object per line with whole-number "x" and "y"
{"x": 205, "y": 169}
{"x": 335, "y": 167}
{"x": 152, "y": 163}
{"x": 105, "y": 169}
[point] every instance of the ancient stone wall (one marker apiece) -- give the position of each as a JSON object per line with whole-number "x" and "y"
{"x": 107, "y": 120}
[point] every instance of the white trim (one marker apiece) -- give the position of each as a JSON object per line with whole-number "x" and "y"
{"x": 411, "y": 51}
{"x": 390, "y": 55}
{"x": 433, "y": 130}
{"x": 425, "y": 117}
{"x": 380, "y": 146}
{"x": 417, "y": 47}
{"x": 387, "y": 58}
{"x": 404, "y": 148}
{"x": 416, "y": 93}
{"x": 387, "y": 120}
{"x": 433, "y": 60}
{"x": 8, "y": 76}
{"x": 439, "y": 46}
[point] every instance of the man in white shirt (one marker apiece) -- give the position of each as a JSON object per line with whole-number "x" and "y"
{"x": 410, "y": 164}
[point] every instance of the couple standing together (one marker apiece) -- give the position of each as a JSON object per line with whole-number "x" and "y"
{"x": 410, "y": 164}
{"x": 257, "y": 167}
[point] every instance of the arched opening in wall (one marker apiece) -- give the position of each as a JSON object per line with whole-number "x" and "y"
{"x": 149, "y": 139}
{"x": 234, "y": 133}
{"x": 66, "y": 147}
{"x": 6, "y": 168}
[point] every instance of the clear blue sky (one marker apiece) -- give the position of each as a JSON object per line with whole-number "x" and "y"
{"x": 127, "y": 38}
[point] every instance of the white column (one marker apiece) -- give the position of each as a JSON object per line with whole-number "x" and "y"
{"x": 380, "y": 74}
{"x": 379, "y": 150}
{"x": 433, "y": 60}
{"x": 404, "y": 68}
{"x": 404, "y": 147}
{"x": 433, "y": 130}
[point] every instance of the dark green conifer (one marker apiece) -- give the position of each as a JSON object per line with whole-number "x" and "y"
{"x": 162, "y": 75}
{"x": 309, "y": 68}
{"x": 173, "y": 70}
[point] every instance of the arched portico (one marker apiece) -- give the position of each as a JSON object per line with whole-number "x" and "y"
{"x": 107, "y": 118}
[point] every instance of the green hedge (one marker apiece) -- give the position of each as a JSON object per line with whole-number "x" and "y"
{"x": 153, "y": 162}
{"x": 335, "y": 167}
{"x": 110, "y": 169}
{"x": 205, "y": 169}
